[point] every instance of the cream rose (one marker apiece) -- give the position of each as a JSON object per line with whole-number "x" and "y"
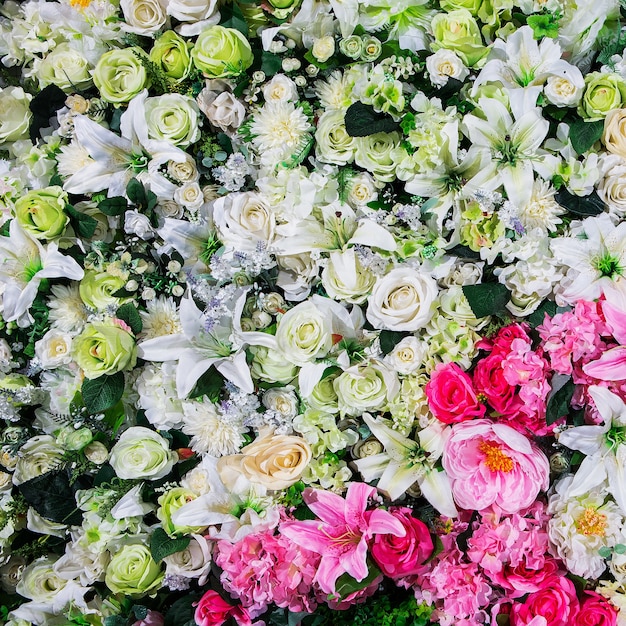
{"x": 443, "y": 65}
{"x": 198, "y": 14}
{"x": 15, "y": 114}
{"x": 365, "y": 387}
{"x": 403, "y": 299}
{"x": 39, "y": 455}
{"x": 143, "y": 17}
{"x": 192, "y": 562}
{"x": 184, "y": 172}
{"x": 280, "y": 89}
{"x": 562, "y": 91}
{"x": 407, "y": 355}
{"x": 283, "y": 400}
{"x": 344, "y": 278}
{"x": 614, "y": 135}
{"x": 361, "y": 190}
{"x": 333, "y": 144}
{"x": 612, "y": 187}
{"x": 54, "y": 349}
{"x": 222, "y": 109}
{"x": 190, "y": 196}
{"x": 323, "y": 48}
{"x": 274, "y": 461}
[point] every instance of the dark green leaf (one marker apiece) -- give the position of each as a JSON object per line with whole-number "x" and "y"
{"x": 347, "y": 585}
{"x": 115, "y": 620}
{"x": 128, "y": 313}
{"x": 389, "y": 339}
{"x": 136, "y": 192}
{"x": 209, "y": 384}
{"x": 182, "y": 611}
{"x": 102, "y": 393}
{"x": 114, "y": 206}
{"x": 84, "y": 225}
{"x": 463, "y": 252}
{"x": 224, "y": 142}
{"x": 503, "y": 620}
{"x": 56, "y": 180}
{"x": 162, "y": 545}
{"x": 105, "y": 475}
{"x": 232, "y": 17}
{"x": 437, "y": 548}
{"x": 52, "y": 497}
{"x": 43, "y": 106}
{"x": 140, "y": 611}
{"x": 451, "y": 87}
{"x": 487, "y": 298}
{"x": 584, "y": 134}
{"x": 584, "y": 206}
{"x": 116, "y": 120}
{"x": 547, "y": 307}
{"x": 361, "y": 120}
{"x": 559, "y": 398}
{"x": 270, "y": 63}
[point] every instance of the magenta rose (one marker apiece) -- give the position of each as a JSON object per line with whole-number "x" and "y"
{"x": 596, "y": 611}
{"x": 403, "y": 556}
{"x": 556, "y": 603}
{"x": 450, "y": 394}
{"x": 213, "y": 610}
{"x": 490, "y": 381}
{"x": 522, "y": 579}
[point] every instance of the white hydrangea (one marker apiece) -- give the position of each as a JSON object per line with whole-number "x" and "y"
{"x": 156, "y": 386}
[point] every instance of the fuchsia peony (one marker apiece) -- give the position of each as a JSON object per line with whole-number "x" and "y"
{"x": 493, "y": 465}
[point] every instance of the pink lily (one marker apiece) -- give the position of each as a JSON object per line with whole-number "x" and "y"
{"x": 611, "y": 365}
{"x": 342, "y": 535}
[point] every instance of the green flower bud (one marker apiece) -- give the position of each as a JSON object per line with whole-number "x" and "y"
{"x": 170, "y": 54}
{"x": 372, "y": 49}
{"x": 41, "y": 212}
{"x": 120, "y": 75}
{"x": 221, "y": 52}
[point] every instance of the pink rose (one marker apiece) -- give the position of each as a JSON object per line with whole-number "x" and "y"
{"x": 556, "y": 603}
{"x": 213, "y": 610}
{"x": 403, "y": 556}
{"x": 451, "y": 396}
{"x": 596, "y": 611}
{"x": 490, "y": 381}
{"x": 492, "y": 464}
{"x": 522, "y": 579}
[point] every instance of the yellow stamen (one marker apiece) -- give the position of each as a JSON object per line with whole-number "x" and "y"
{"x": 495, "y": 459}
{"x": 80, "y": 4}
{"x": 592, "y": 523}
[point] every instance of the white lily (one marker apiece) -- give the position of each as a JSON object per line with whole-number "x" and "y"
{"x": 604, "y": 446}
{"x": 202, "y": 344}
{"x": 24, "y": 264}
{"x": 116, "y": 159}
{"x": 406, "y": 461}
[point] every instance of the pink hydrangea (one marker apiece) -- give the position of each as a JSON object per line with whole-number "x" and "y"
{"x": 493, "y": 464}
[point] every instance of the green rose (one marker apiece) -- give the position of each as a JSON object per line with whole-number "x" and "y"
{"x": 470, "y": 5}
{"x": 15, "y": 114}
{"x": 375, "y": 153}
{"x": 74, "y": 439}
{"x": 173, "y": 118}
{"x": 171, "y": 55}
{"x": 96, "y": 289}
{"x": 351, "y": 46}
{"x": 133, "y": 572}
{"x": 104, "y": 348}
{"x": 603, "y": 93}
{"x": 169, "y": 503}
{"x": 361, "y": 388}
{"x": 66, "y": 68}
{"x": 270, "y": 365}
{"x": 41, "y": 212}
{"x": 458, "y": 31}
{"x": 221, "y": 52}
{"x": 120, "y": 75}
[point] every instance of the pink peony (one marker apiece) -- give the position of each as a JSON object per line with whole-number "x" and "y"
{"x": 403, "y": 556}
{"x": 451, "y": 396}
{"x": 492, "y": 464}
{"x": 596, "y": 611}
{"x": 213, "y": 610}
{"x": 556, "y": 603}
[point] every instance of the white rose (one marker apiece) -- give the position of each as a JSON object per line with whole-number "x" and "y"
{"x": 142, "y": 453}
{"x": 15, "y": 114}
{"x": 614, "y": 135}
{"x": 361, "y": 190}
{"x": 192, "y": 562}
{"x": 143, "y": 17}
{"x": 270, "y": 365}
{"x": 190, "y": 196}
{"x": 344, "y": 278}
{"x": 403, "y": 299}
{"x": 323, "y": 48}
{"x": 185, "y": 172}
{"x": 562, "y": 91}
{"x": 617, "y": 565}
{"x": 136, "y": 223}
{"x": 244, "y": 219}
{"x": 38, "y": 455}
{"x": 612, "y": 187}
{"x": 199, "y": 14}
{"x": 407, "y": 356}
{"x": 66, "y": 68}
{"x": 173, "y": 117}
{"x": 463, "y": 274}
{"x": 280, "y": 89}
{"x": 96, "y": 452}
{"x": 333, "y": 144}
{"x": 223, "y": 110}
{"x": 297, "y": 272}
{"x": 40, "y": 582}
{"x": 445, "y": 64}
{"x": 283, "y": 400}
{"x": 365, "y": 387}
{"x": 54, "y": 349}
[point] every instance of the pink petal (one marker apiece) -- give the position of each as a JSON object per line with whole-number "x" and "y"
{"x": 308, "y": 535}
{"x": 356, "y": 503}
{"x": 328, "y": 572}
{"x": 616, "y": 320}
{"x": 355, "y": 561}
{"x": 328, "y": 506}
{"x": 610, "y": 366}
{"x": 383, "y": 522}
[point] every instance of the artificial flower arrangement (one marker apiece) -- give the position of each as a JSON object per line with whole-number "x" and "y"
{"x": 313, "y": 312}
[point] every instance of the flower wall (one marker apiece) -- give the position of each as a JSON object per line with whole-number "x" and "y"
{"x": 312, "y": 313}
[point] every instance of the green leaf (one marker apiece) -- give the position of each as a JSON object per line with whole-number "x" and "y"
{"x": 487, "y": 298}
{"x": 361, "y": 120}
{"x": 128, "y": 313}
{"x": 270, "y": 63}
{"x": 619, "y": 548}
{"x": 115, "y": 620}
{"x": 136, "y": 192}
{"x": 52, "y": 496}
{"x": 182, "y": 611}
{"x": 102, "y": 393}
{"x": 544, "y": 25}
{"x": 113, "y": 206}
{"x": 605, "y": 552}
{"x": 585, "y": 206}
{"x": 209, "y": 384}
{"x": 162, "y": 545}
{"x": 232, "y": 17}
{"x": 347, "y": 585}
{"x": 389, "y": 339}
{"x": 584, "y": 134}
{"x": 84, "y": 225}
{"x": 559, "y": 398}
{"x": 547, "y": 307}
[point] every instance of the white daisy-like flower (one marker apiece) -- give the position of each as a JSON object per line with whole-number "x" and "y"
{"x": 67, "y": 311}
{"x": 72, "y": 158}
{"x": 335, "y": 92}
{"x": 542, "y": 210}
{"x": 161, "y": 318}
{"x": 210, "y": 434}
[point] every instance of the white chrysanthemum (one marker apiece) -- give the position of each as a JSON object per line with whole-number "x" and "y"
{"x": 335, "y": 92}
{"x": 156, "y": 386}
{"x": 209, "y": 433}
{"x": 581, "y": 526}
{"x": 67, "y": 311}
{"x": 72, "y": 158}
{"x": 278, "y": 128}
{"x": 542, "y": 211}
{"x": 161, "y": 318}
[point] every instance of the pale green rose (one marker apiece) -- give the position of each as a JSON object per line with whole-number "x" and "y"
{"x": 173, "y": 117}
{"x": 40, "y": 582}
{"x": 603, "y": 93}
{"x": 104, "y": 348}
{"x": 39, "y": 455}
{"x": 41, "y": 213}
{"x": 459, "y": 31}
{"x": 15, "y": 114}
{"x": 74, "y": 439}
{"x": 324, "y": 397}
{"x": 120, "y": 75}
{"x": 361, "y": 388}
{"x": 352, "y": 46}
{"x": 142, "y": 453}
{"x": 221, "y": 52}
{"x": 345, "y": 278}
{"x": 270, "y": 365}
{"x": 169, "y": 503}
{"x": 375, "y": 153}
{"x": 332, "y": 142}
{"x": 96, "y": 289}
{"x": 372, "y": 49}
{"x": 171, "y": 55}
{"x": 133, "y": 572}
{"x": 472, "y": 6}
{"x": 66, "y": 68}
